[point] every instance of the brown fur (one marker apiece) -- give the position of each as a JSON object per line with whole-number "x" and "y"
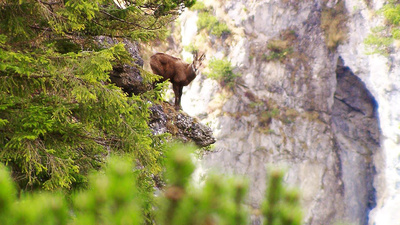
{"x": 176, "y": 70}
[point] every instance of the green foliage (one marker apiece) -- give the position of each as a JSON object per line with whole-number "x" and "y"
{"x": 31, "y": 209}
{"x": 391, "y": 11}
{"x": 281, "y": 205}
{"x": 219, "y": 201}
{"x": 179, "y": 167}
{"x": 396, "y": 33}
{"x": 59, "y": 114}
{"x": 116, "y": 196}
{"x": 39, "y": 209}
{"x": 382, "y": 37}
{"x": 191, "y": 48}
{"x": 144, "y": 20}
{"x": 7, "y": 191}
{"x": 222, "y": 71}
{"x": 212, "y": 24}
{"x": 113, "y": 198}
{"x": 62, "y": 116}
{"x": 200, "y": 6}
{"x": 378, "y": 43}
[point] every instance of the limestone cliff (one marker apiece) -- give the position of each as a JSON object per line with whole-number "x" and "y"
{"x": 309, "y": 98}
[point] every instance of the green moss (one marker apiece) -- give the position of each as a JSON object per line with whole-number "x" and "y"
{"x": 265, "y": 118}
{"x": 277, "y": 55}
{"x": 254, "y": 105}
{"x": 311, "y": 116}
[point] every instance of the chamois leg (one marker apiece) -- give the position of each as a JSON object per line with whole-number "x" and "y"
{"x": 178, "y": 94}
{"x": 180, "y": 97}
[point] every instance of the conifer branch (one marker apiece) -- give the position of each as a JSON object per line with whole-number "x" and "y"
{"x": 130, "y": 23}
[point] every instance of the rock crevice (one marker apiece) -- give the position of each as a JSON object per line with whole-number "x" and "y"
{"x": 357, "y": 136}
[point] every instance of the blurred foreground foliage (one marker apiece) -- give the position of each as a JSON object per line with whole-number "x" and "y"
{"x": 115, "y": 196}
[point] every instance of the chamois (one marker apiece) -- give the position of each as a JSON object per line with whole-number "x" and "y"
{"x": 177, "y": 71}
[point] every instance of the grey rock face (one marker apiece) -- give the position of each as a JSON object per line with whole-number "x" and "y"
{"x": 158, "y": 120}
{"x": 296, "y": 95}
{"x": 127, "y": 77}
{"x": 189, "y": 129}
{"x": 306, "y": 111}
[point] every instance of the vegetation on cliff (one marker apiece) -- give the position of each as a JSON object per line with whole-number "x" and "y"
{"x": 333, "y": 23}
{"x": 221, "y": 70}
{"x": 382, "y": 38}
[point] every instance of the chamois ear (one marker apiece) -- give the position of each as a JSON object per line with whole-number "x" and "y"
{"x": 202, "y": 57}
{"x": 196, "y": 56}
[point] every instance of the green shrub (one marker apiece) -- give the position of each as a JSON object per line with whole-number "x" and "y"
{"x": 391, "y": 11}
{"x": 220, "y": 29}
{"x": 212, "y": 25}
{"x": 209, "y": 22}
{"x": 396, "y": 33}
{"x": 191, "y": 48}
{"x": 222, "y": 71}
{"x": 382, "y": 37}
{"x": 377, "y": 42}
{"x": 200, "y": 6}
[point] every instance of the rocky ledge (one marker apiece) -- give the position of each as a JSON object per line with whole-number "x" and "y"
{"x": 165, "y": 119}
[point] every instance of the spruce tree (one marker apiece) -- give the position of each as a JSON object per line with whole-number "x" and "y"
{"x": 59, "y": 114}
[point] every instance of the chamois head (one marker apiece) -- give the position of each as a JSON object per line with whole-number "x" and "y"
{"x": 197, "y": 61}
